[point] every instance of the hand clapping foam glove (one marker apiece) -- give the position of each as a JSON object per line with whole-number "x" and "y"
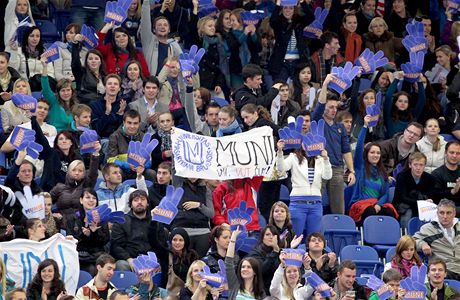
{"x": 294, "y": 257}
{"x": 415, "y": 41}
{"x": 167, "y": 210}
{"x": 292, "y": 134}
{"x": 382, "y": 289}
{"x": 319, "y": 285}
{"x": 25, "y": 102}
{"x": 374, "y": 110}
{"x": 89, "y": 37}
{"x": 33, "y": 206}
{"x": 23, "y": 138}
{"x": 105, "y": 215}
{"x": 413, "y": 69}
{"x": 343, "y": 77}
{"x": 116, "y": 11}
{"x": 215, "y": 280}
{"x": 52, "y": 53}
{"x": 194, "y": 57}
{"x": 146, "y": 264}
{"x": 314, "y": 142}
{"x": 244, "y": 243}
{"x": 315, "y": 29}
{"x": 139, "y": 153}
{"x": 240, "y": 216}
{"x": 88, "y": 140}
{"x": 414, "y": 285}
{"x": 252, "y": 17}
{"x": 369, "y": 61}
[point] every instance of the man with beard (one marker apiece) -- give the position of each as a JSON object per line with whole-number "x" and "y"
{"x": 133, "y": 237}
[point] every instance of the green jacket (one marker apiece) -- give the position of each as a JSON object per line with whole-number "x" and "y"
{"x": 57, "y": 115}
{"x": 449, "y": 292}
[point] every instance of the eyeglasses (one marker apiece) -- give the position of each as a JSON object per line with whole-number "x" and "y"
{"x": 412, "y": 133}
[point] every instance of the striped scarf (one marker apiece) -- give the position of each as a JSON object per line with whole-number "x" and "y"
{"x": 380, "y": 10}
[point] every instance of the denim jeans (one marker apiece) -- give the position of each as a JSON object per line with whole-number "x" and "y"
{"x": 306, "y": 218}
{"x": 90, "y": 17}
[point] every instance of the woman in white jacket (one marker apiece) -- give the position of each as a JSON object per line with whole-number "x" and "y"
{"x": 432, "y": 145}
{"x": 307, "y": 174}
{"x": 15, "y": 12}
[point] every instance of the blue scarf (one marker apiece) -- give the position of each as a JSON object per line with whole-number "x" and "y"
{"x": 232, "y": 129}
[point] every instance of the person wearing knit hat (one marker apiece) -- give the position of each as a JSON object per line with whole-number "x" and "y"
{"x": 182, "y": 255}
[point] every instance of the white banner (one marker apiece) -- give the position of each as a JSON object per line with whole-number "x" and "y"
{"x": 427, "y": 211}
{"x": 242, "y": 155}
{"x": 22, "y": 257}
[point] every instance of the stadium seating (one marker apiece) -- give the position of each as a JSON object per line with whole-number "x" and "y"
{"x": 414, "y": 225}
{"x": 49, "y": 33}
{"x": 284, "y": 194}
{"x": 381, "y": 232}
{"x": 124, "y": 279}
{"x": 390, "y": 253}
{"x": 339, "y": 231}
{"x": 454, "y": 284}
{"x": 83, "y": 278}
{"x": 365, "y": 257}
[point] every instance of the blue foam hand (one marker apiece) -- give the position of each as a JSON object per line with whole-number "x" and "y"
{"x": 252, "y": 17}
{"x": 453, "y": 6}
{"x": 105, "y": 215}
{"x": 25, "y": 102}
{"x": 139, "y": 153}
{"x": 415, "y": 44}
{"x": 147, "y": 146}
{"x": 114, "y": 12}
{"x": 100, "y": 210}
{"x": 222, "y": 270}
{"x": 124, "y": 4}
{"x": 374, "y": 110}
{"x": 369, "y": 61}
{"x": 206, "y": 7}
{"x": 415, "y": 290}
{"x": 110, "y": 8}
{"x": 89, "y": 37}
{"x": 413, "y": 68}
{"x": 187, "y": 69}
{"x": 33, "y": 149}
{"x": 379, "y": 59}
{"x": 52, "y": 53}
{"x": 21, "y": 137}
{"x": 287, "y": 3}
{"x": 315, "y": 29}
{"x": 319, "y": 285}
{"x": 146, "y": 264}
{"x": 195, "y": 55}
{"x": 240, "y": 216}
{"x": 293, "y": 257}
{"x": 382, "y": 289}
{"x": 167, "y": 210}
{"x": 314, "y": 142}
{"x": 213, "y": 279}
{"x": 343, "y": 77}
{"x": 88, "y": 140}
{"x": 33, "y": 206}
{"x": 292, "y": 135}
{"x": 244, "y": 243}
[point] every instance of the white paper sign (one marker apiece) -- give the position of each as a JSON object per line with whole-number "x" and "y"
{"x": 242, "y": 155}
{"x": 21, "y": 258}
{"x": 427, "y": 211}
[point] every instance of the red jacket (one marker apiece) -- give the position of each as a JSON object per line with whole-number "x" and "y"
{"x": 225, "y": 199}
{"x": 111, "y": 60}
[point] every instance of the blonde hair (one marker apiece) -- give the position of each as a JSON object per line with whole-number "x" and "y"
{"x": 189, "y": 279}
{"x": 446, "y": 50}
{"x": 454, "y": 31}
{"x": 3, "y": 276}
{"x": 288, "y": 290}
{"x": 201, "y": 23}
{"x": 75, "y": 164}
{"x": 29, "y": 91}
{"x": 375, "y": 21}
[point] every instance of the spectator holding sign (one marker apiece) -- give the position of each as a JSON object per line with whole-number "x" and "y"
{"x": 370, "y": 193}
{"x": 47, "y": 283}
{"x": 25, "y": 58}
{"x": 196, "y": 286}
{"x": 11, "y": 114}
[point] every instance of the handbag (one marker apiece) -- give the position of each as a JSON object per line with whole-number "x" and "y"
{"x": 175, "y": 284}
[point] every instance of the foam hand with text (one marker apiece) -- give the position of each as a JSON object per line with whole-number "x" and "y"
{"x": 215, "y": 280}
{"x": 240, "y": 216}
{"x": 343, "y": 77}
{"x": 206, "y": 8}
{"x": 116, "y": 11}
{"x": 23, "y": 138}
{"x": 314, "y": 141}
{"x": 187, "y": 69}
{"x": 252, "y": 17}
{"x": 103, "y": 214}
{"x": 319, "y": 285}
{"x": 139, "y": 153}
{"x": 414, "y": 67}
{"x": 453, "y": 6}
{"x": 382, "y": 289}
{"x": 415, "y": 41}
{"x": 11, "y": 199}
{"x": 222, "y": 270}
{"x": 167, "y": 210}
{"x": 292, "y": 134}
{"x": 374, "y": 110}
{"x": 25, "y": 102}
{"x": 415, "y": 284}
{"x": 146, "y": 264}
{"x": 293, "y": 257}
{"x": 369, "y": 61}
{"x": 89, "y": 37}
{"x": 52, "y": 53}
{"x": 315, "y": 29}
{"x": 88, "y": 140}
{"x": 193, "y": 56}
{"x": 245, "y": 243}
{"x": 33, "y": 206}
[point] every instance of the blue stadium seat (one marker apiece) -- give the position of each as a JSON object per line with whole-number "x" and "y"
{"x": 365, "y": 257}
{"x": 262, "y": 221}
{"x": 414, "y": 225}
{"x": 49, "y": 33}
{"x": 390, "y": 253}
{"x": 448, "y": 137}
{"x": 339, "y": 231}
{"x": 83, "y": 278}
{"x": 37, "y": 95}
{"x": 454, "y": 284}
{"x": 381, "y": 240}
{"x": 361, "y": 280}
{"x": 2, "y": 179}
{"x": 284, "y": 194}
{"x": 124, "y": 279}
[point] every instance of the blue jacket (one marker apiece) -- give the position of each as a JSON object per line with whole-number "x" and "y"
{"x": 117, "y": 199}
{"x": 358, "y": 162}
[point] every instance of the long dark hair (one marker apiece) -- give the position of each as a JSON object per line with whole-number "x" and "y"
{"x": 25, "y": 40}
{"x": 72, "y": 152}
{"x": 124, "y": 73}
{"x": 257, "y": 282}
{"x": 64, "y": 83}
{"x": 81, "y": 214}
{"x": 272, "y": 229}
{"x": 361, "y": 106}
{"x": 220, "y": 21}
{"x": 396, "y": 114}
{"x": 130, "y": 48}
{"x": 102, "y": 66}
{"x": 57, "y": 286}
{"x": 367, "y": 165}
{"x": 301, "y": 155}
{"x": 297, "y": 94}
